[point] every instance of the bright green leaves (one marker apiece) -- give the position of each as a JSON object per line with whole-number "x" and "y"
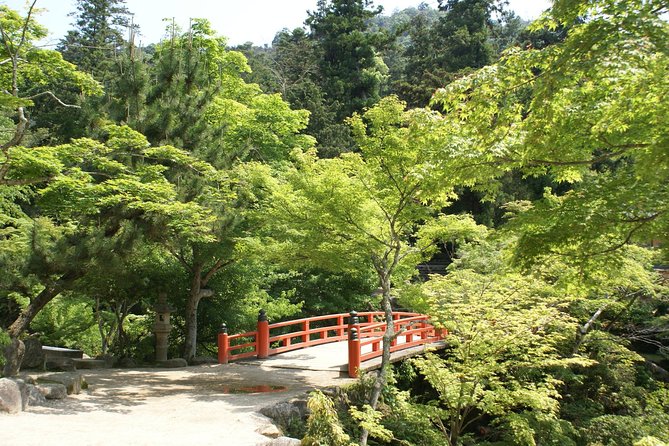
{"x": 595, "y": 96}
{"x": 505, "y": 336}
{"x": 125, "y": 139}
{"x": 35, "y": 68}
{"x": 262, "y": 128}
{"x": 590, "y": 111}
{"x": 370, "y": 206}
{"x": 323, "y": 424}
{"x": 13, "y": 26}
{"x": 126, "y": 178}
{"x": 596, "y": 219}
{"x": 21, "y": 165}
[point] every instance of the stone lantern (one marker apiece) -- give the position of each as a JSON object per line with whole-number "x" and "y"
{"x": 162, "y": 326}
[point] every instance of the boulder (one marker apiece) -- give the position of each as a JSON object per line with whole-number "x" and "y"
{"x": 52, "y": 391}
{"x": 23, "y": 389}
{"x": 37, "y": 398}
{"x": 287, "y": 413}
{"x": 73, "y": 381}
{"x": 173, "y": 363}
{"x": 34, "y": 356}
{"x": 11, "y": 400}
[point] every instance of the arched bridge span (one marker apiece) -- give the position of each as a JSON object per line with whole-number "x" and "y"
{"x": 363, "y": 332}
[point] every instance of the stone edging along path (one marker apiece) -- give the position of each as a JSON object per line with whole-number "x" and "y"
{"x": 204, "y": 405}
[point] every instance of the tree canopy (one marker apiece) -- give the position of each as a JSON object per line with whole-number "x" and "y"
{"x": 222, "y": 181}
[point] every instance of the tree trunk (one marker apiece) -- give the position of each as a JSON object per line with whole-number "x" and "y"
{"x": 193, "y": 300}
{"x": 388, "y": 336}
{"x": 197, "y": 293}
{"x": 582, "y": 331}
{"x": 13, "y": 354}
{"x": 28, "y": 314}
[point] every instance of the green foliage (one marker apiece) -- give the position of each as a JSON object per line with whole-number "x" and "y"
{"x": 444, "y": 45}
{"x": 506, "y": 332}
{"x": 325, "y": 292}
{"x": 197, "y": 100}
{"x": 32, "y": 76}
{"x": 4, "y": 341}
{"x": 369, "y": 419}
{"x": 67, "y": 321}
{"x": 97, "y": 36}
{"x": 617, "y": 430}
{"x": 596, "y": 95}
{"x": 323, "y": 426}
{"x": 352, "y": 72}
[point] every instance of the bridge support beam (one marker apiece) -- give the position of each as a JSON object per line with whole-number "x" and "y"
{"x": 353, "y": 345}
{"x": 223, "y": 345}
{"x": 262, "y": 336}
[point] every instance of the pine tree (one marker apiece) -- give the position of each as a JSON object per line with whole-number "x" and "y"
{"x": 460, "y": 39}
{"x": 97, "y": 36}
{"x": 352, "y": 72}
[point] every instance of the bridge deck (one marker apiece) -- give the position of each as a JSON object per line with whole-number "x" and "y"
{"x": 333, "y": 357}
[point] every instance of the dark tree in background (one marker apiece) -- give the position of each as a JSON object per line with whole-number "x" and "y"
{"x": 459, "y": 40}
{"x": 352, "y": 73}
{"x": 98, "y": 35}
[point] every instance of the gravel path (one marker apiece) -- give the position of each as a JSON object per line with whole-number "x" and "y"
{"x": 163, "y": 407}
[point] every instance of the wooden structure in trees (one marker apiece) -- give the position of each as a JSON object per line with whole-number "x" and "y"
{"x": 363, "y": 331}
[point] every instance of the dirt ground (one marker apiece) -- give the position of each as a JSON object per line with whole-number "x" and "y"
{"x": 193, "y": 405}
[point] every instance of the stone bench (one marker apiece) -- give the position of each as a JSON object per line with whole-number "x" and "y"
{"x": 60, "y": 358}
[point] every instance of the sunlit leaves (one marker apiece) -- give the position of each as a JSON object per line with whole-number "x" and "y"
{"x": 505, "y": 336}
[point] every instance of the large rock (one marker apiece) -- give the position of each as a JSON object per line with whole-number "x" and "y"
{"x": 52, "y": 391}
{"x": 23, "y": 389}
{"x": 11, "y": 400}
{"x": 34, "y": 356}
{"x": 73, "y": 381}
{"x": 287, "y": 413}
{"x": 14, "y": 352}
{"x": 36, "y": 398}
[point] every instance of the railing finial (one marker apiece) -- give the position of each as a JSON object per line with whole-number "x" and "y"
{"x": 262, "y": 316}
{"x": 354, "y": 319}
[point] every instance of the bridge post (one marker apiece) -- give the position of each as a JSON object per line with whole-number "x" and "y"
{"x": 262, "y": 336}
{"x": 305, "y": 328}
{"x": 223, "y": 345}
{"x": 353, "y": 345}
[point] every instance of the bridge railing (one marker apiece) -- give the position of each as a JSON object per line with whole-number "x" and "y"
{"x": 361, "y": 330}
{"x": 365, "y": 339}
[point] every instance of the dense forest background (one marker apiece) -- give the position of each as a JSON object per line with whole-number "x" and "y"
{"x": 507, "y": 178}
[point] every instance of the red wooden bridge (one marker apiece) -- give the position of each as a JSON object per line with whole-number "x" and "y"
{"x": 363, "y": 333}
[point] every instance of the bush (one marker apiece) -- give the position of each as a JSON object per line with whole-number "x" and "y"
{"x": 323, "y": 425}
{"x": 4, "y": 341}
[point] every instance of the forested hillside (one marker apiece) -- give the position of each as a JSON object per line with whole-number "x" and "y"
{"x": 317, "y": 174}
